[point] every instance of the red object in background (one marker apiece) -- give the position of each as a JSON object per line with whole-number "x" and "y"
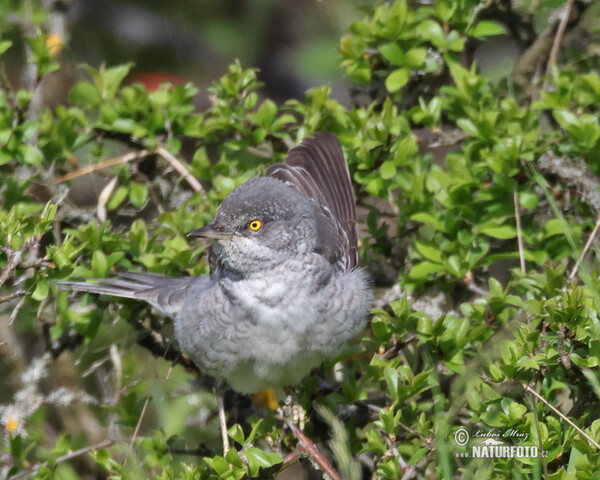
{"x": 152, "y": 80}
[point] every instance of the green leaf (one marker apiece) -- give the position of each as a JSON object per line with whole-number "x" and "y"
{"x": 117, "y": 198}
{"x": 397, "y": 79}
{"x": 393, "y": 53}
{"x": 415, "y": 58}
{"x": 387, "y": 421}
{"x": 554, "y": 226}
{"x": 429, "y": 252}
{"x": 516, "y": 410}
{"x": 503, "y": 232}
{"x": 224, "y": 184}
{"x": 254, "y": 431}
{"x": 424, "y": 325}
{"x": 393, "y": 381}
{"x": 528, "y": 200}
{"x": 86, "y": 94}
{"x": 424, "y": 269}
{"x": 99, "y": 264}
{"x": 29, "y": 154}
{"x": 138, "y": 194}
{"x": 388, "y": 170}
{"x": 218, "y": 464}
{"x": 4, "y": 46}
{"x": 487, "y": 28}
{"x": 266, "y": 114}
{"x": 123, "y": 125}
{"x": 112, "y": 78}
{"x": 265, "y": 459}
{"x": 375, "y": 442}
{"x": 428, "y": 219}
{"x": 41, "y": 290}
{"x": 468, "y": 126}
{"x": 237, "y": 434}
{"x": 445, "y": 9}
{"x": 432, "y": 31}
{"x": 454, "y": 265}
{"x": 565, "y": 118}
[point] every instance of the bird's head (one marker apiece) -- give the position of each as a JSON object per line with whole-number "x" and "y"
{"x": 260, "y": 224}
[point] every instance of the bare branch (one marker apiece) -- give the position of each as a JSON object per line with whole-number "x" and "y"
{"x": 519, "y": 232}
{"x": 557, "y": 40}
{"x": 528, "y": 389}
{"x": 310, "y": 448}
{"x": 62, "y": 459}
{"x": 181, "y": 169}
{"x": 587, "y": 246}
{"x": 8, "y": 298}
{"x": 111, "y": 162}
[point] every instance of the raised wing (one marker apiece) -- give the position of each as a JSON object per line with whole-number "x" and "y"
{"x": 318, "y": 168}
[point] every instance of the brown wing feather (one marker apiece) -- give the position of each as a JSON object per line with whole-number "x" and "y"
{"x": 318, "y": 168}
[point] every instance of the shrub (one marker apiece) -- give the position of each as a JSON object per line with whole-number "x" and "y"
{"x": 479, "y": 196}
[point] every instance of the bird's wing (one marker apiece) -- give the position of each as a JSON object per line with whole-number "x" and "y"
{"x": 166, "y": 294}
{"x": 317, "y": 167}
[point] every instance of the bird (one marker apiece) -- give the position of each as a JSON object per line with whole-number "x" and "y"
{"x": 285, "y": 291}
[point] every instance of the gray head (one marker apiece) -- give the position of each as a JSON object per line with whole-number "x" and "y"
{"x": 261, "y": 223}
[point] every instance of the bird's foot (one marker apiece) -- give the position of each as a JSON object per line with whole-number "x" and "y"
{"x": 266, "y": 398}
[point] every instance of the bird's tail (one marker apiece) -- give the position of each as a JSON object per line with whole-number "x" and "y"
{"x": 166, "y": 294}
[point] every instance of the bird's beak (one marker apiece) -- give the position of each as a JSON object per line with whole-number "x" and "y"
{"x": 213, "y": 231}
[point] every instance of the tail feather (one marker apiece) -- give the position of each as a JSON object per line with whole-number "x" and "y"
{"x": 115, "y": 288}
{"x": 166, "y": 294}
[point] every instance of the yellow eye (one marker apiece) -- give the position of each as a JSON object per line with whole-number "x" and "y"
{"x": 255, "y": 225}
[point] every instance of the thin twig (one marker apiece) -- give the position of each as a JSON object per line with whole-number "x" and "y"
{"x": 14, "y": 257}
{"x": 62, "y": 459}
{"x": 104, "y": 197}
{"x": 539, "y": 434}
{"x": 519, "y": 231}
{"x": 181, "y": 169}
{"x": 427, "y": 442}
{"x": 139, "y": 422}
{"x": 396, "y": 347}
{"x": 471, "y": 285}
{"x": 289, "y": 459}
{"x": 16, "y": 310}
{"x": 528, "y": 389}
{"x": 219, "y": 393}
{"x": 111, "y": 162}
{"x": 394, "y": 451}
{"x": 557, "y": 41}
{"x": 310, "y": 448}
{"x": 585, "y": 249}
{"x": 130, "y": 157}
{"x": 8, "y": 298}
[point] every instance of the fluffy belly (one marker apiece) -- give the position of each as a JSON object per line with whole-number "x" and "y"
{"x": 271, "y": 331}
{"x": 275, "y": 340}
{"x": 260, "y": 373}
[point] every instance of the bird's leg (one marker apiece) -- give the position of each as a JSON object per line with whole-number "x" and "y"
{"x": 219, "y": 391}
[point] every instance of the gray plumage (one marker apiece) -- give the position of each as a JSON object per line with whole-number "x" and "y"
{"x": 279, "y": 299}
